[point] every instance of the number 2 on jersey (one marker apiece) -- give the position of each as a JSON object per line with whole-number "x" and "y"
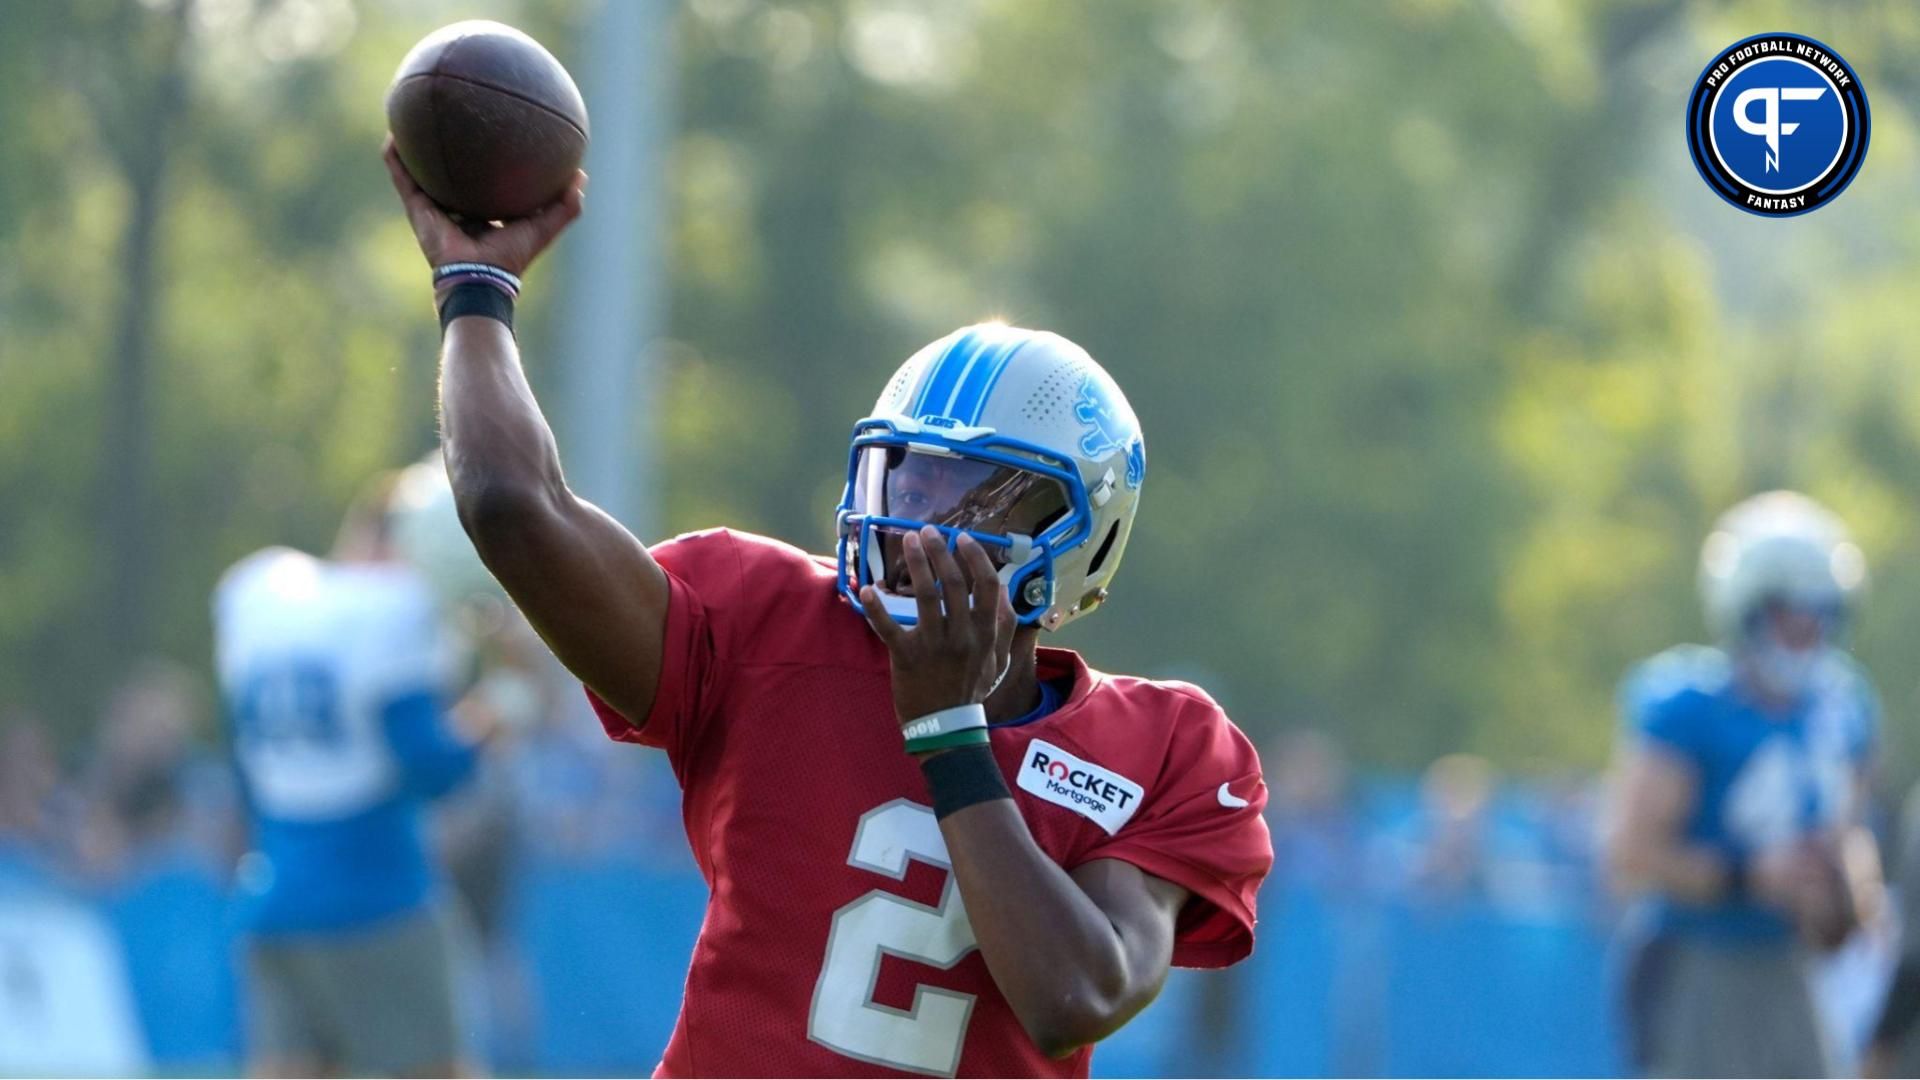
{"x": 844, "y": 1017}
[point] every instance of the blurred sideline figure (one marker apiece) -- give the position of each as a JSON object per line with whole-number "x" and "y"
{"x": 1894, "y": 1047}
{"x": 1452, "y": 859}
{"x": 337, "y": 676}
{"x": 1317, "y": 839}
{"x": 480, "y": 832}
{"x": 32, "y": 841}
{"x": 151, "y": 791}
{"x": 1739, "y": 802}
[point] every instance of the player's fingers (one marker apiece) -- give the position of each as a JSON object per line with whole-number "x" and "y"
{"x": 953, "y": 580}
{"x": 879, "y": 617}
{"x": 926, "y": 594}
{"x": 1005, "y": 624}
{"x": 403, "y": 182}
{"x": 428, "y": 221}
{"x": 396, "y": 172}
{"x": 986, "y": 583}
{"x": 538, "y": 229}
{"x": 555, "y": 216}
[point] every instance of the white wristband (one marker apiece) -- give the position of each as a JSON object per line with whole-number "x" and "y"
{"x": 945, "y": 722}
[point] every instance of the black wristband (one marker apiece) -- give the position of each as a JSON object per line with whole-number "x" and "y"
{"x": 475, "y": 298}
{"x": 961, "y": 777}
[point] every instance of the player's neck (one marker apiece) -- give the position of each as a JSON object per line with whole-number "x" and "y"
{"x": 1018, "y": 693}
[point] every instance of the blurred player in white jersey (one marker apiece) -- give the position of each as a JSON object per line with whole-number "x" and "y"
{"x": 337, "y": 676}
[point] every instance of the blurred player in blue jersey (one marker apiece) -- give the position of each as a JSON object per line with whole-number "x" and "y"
{"x": 337, "y": 677}
{"x": 1738, "y": 810}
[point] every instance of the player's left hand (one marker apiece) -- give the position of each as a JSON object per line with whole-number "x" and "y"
{"x": 956, "y": 652}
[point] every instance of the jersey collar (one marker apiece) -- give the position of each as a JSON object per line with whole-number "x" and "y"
{"x": 1055, "y": 666}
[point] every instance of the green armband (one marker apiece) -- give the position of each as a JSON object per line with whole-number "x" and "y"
{"x": 962, "y": 725}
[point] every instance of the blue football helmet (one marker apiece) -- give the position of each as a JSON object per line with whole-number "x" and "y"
{"x": 1015, "y": 437}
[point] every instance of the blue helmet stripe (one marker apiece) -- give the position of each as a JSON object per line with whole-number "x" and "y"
{"x": 945, "y": 376}
{"x": 978, "y": 387}
{"x": 966, "y": 396}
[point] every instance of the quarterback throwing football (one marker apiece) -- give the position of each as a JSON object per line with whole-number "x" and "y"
{"x": 933, "y": 847}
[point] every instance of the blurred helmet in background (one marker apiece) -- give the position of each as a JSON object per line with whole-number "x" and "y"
{"x": 1780, "y": 551}
{"x": 425, "y": 531}
{"x": 1015, "y": 437}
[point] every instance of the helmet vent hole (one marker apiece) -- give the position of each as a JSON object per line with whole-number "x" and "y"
{"x": 1100, "y": 556}
{"x": 1054, "y": 396}
{"x": 899, "y": 385}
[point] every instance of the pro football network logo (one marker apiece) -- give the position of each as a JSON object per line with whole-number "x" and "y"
{"x": 1778, "y": 124}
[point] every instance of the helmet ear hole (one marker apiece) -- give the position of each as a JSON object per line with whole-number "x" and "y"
{"x": 1100, "y": 556}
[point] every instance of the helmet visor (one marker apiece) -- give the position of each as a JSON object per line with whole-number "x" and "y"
{"x": 912, "y": 486}
{"x": 1797, "y": 622}
{"x": 935, "y": 488}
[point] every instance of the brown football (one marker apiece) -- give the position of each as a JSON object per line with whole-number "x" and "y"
{"x": 488, "y": 122}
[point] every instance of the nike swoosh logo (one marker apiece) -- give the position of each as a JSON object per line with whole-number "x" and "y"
{"x": 1229, "y": 800}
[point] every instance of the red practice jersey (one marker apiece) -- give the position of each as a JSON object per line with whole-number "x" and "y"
{"x": 835, "y": 941}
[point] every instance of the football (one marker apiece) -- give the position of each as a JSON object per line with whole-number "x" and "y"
{"x": 490, "y": 125}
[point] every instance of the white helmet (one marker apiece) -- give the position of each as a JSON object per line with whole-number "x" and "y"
{"x": 1016, "y": 437}
{"x": 427, "y": 534}
{"x": 1780, "y": 546}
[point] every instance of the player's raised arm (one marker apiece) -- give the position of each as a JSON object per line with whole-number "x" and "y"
{"x": 584, "y": 582}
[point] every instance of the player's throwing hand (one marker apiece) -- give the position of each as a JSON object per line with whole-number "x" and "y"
{"x": 963, "y": 639}
{"x": 511, "y": 246}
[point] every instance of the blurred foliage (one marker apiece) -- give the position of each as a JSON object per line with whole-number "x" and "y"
{"x": 1445, "y": 356}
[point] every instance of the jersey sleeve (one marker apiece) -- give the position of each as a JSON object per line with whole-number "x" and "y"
{"x": 704, "y": 581}
{"x": 244, "y": 586}
{"x": 1658, "y": 703}
{"x": 1864, "y": 742}
{"x": 411, "y": 663}
{"x": 433, "y": 760}
{"x": 1202, "y": 829}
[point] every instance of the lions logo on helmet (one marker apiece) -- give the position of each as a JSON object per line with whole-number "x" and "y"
{"x": 1107, "y": 431}
{"x": 1013, "y": 436}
